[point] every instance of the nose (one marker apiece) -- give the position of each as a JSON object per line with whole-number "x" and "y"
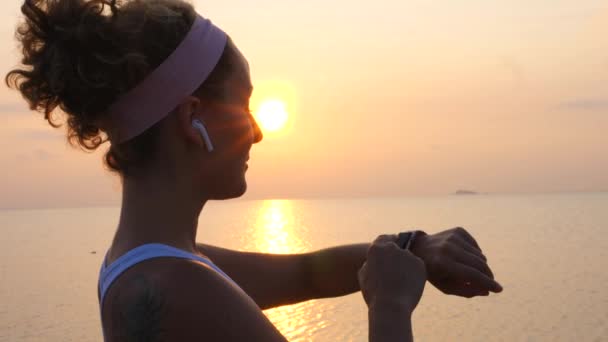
{"x": 257, "y": 132}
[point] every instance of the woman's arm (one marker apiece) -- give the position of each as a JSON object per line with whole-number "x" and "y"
{"x": 387, "y": 325}
{"x": 392, "y": 281}
{"x": 276, "y": 279}
{"x": 172, "y": 299}
{"x": 454, "y": 262}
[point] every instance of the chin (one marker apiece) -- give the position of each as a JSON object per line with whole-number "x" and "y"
{"x": 236, "y": 190}
{"x": 241, "y": 191}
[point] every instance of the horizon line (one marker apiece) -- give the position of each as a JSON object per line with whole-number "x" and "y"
{"x": 320, "y": 198}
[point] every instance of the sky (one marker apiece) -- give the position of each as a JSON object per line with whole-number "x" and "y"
{"x": 385, "y": 98}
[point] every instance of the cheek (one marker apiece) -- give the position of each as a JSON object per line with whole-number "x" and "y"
{"x": 234, "y": 134}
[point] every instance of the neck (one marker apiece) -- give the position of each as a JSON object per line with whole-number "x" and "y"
{"x": 155, "y": 210}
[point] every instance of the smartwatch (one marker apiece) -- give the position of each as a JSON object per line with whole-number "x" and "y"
{"x": 406, "y": 239}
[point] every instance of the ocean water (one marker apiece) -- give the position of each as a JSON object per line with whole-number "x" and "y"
{"x": 550, "y": 252}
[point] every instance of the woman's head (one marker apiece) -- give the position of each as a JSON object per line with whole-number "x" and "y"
{"x": 81, "y": 56}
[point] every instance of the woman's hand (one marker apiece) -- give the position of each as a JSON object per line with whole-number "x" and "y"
{"x": 391, "y": 277}
{"x": 455, "y": 264}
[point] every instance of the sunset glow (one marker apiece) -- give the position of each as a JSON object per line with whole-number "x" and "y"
{"x": 272, "y": 115}
{"x": 424, "y": 99}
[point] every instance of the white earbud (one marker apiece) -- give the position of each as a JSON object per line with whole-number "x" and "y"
{"x": 200, "y": 127}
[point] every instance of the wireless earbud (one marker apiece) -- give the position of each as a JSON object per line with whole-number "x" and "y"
{"x": 200, "y": 127}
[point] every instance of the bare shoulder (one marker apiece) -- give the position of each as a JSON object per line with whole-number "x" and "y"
{"x": 176, "y": 299}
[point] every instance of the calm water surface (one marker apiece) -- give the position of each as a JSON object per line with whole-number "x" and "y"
{"x": 550, "y": 252}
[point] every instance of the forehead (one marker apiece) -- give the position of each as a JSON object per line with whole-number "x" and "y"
{"x": 242, "y": 60}
{"x": 242, "y": 72}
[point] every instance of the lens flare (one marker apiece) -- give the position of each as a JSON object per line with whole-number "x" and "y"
{"x": 272, "y": 115}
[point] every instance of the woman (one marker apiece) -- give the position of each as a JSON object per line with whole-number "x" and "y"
{"x": 170, "y": 92}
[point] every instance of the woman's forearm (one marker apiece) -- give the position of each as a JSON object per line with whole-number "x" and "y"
{"x": 390, "y": 325}
{"x": 333, "y": 271}
{"x": 330, "y": 272}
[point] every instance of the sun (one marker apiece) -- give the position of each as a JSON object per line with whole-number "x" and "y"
{"x": 272, "y": 115}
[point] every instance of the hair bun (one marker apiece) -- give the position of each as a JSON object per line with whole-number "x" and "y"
{"x": 62, "y": 42}
{"x": 79, "y": 56}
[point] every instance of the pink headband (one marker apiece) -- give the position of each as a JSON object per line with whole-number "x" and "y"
{"x": 164, "y": 88}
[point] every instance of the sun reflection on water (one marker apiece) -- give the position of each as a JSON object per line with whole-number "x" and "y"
{"x": 277, "y": 230}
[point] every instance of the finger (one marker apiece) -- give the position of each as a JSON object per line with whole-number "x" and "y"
{"x": 388, "y": 241}
{"x": 467, "y": 237}
{"x": 468, "y": 274}
{"x": 470, "y": 292}
{"x": 382, "y": 244}
{"x": 466, "y": 290}
{"x": 382, "y": 239}
{"x": 469, "y": 259}
{"x": 457, "y": 287}
{"x": 467, "y": 247}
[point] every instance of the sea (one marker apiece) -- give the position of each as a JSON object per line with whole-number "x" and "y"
{"x": 550, "y": 253}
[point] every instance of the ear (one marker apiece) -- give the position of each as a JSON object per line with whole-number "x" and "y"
{"x": 186, "y": 112}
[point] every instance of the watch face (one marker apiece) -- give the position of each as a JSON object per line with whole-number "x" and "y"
{"x": 403, "y": 240}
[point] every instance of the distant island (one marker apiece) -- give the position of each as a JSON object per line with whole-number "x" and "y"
{"x": 466, "y": 192}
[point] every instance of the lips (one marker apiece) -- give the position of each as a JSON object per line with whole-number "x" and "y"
{"x": 246, "y": 166}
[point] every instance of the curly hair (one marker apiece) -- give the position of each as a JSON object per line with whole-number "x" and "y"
{"x": 80, "y": 55}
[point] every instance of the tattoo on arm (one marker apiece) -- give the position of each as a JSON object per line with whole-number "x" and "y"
{"x": 139, "y": 314}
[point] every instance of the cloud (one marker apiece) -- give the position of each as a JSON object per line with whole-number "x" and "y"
{"x": 585, "y": 105}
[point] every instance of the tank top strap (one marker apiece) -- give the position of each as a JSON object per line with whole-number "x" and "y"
{"x": 109, "y": 273}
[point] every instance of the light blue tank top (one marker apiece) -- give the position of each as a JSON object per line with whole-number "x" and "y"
{"x": 108, "y": 274}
